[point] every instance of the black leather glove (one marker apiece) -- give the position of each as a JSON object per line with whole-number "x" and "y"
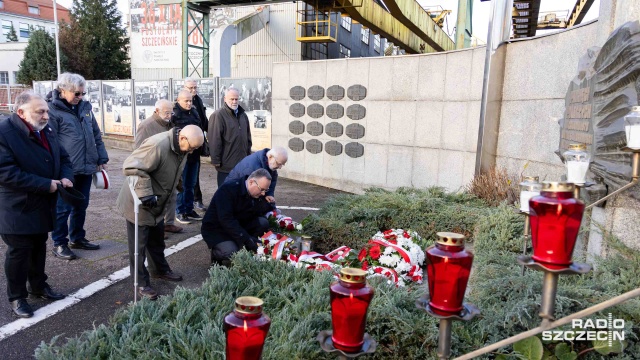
{"x": 251, "y": 245}
{"x": 150, "y": 201}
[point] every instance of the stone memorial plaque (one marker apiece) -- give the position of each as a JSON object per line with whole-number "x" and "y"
{"x": 333, "y": 148}
{"x": 315, "y": 128}
{"x": 297, "y": 92}
{"x": 354, "y": 149}
{"x": 314, "y": 146}
{"x": 315, "y": 92}
{"x": 335, "y": 111}
{"x": 356, "y": 92}
{"x": 315, "y": 111}
{"x": 334, "y": 129}
{"x": 296, "y": 127}
{"x": 356, "y": 112}
{"x": 335, "y": 92}
{"x": 297, "y": 110}
{"x": 296, "y": 144}
{"x": 355, "y": 131}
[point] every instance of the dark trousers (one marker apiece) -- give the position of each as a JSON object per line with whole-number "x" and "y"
{"x": 74, "y": 214}
{"x": 197, "y": 193}
{"x": 227, "y": 247}
{"x": 151, "y": 244}
{"x": 185, "y": 197}
{"x": 222, "y": 176}
{"x": 24, "y": 260}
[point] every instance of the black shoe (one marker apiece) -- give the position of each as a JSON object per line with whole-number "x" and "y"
{"x": 63, "y": 252}
{"x": 199, "y": 205}
{"x": 193, "y": 215}
{"x": 168, "y": 276}
{"x": 183, "y": 219}
{"x": 22, "y": 308}
{"x": 83, "y": 244}
{"x": 147, "y": 292}
{"x": 48, "y": 293}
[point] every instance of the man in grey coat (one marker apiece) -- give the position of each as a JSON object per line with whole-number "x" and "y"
{"x": 159, "y": 122}
{"x": 229, "y": 135}
{"x": 79, "y": 134}
{"x": 158, "y": 164}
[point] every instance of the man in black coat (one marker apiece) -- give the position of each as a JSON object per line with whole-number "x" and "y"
{"x": 235, "y": 216}
{"x": 191, "y": 86}
{"x": 32, "y": 166}
{"x": 185, "y": 114}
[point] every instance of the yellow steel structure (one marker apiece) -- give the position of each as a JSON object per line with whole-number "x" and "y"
{"x": 411, "y": 28}
{"x": 438, "y": 16}
{"x": 411, "y": 14}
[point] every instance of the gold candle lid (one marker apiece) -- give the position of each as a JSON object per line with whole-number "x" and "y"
{"x": 353, "y": 275}
{"x": 249, "y": 305}
{"x": 450, "y": 239}
{"x": 577, "y": 147}
{"x": 532, "y": 178}
{"x": 555, "y": 186}
{"x": 306, "y": 237}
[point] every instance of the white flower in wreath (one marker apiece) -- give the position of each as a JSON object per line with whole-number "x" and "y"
{"x": 299, "y": 227}
{"x": 403, "y": 266}
{"x": 389, "y": 260}
{"x": 388, "y": 251}
{"x": 260, "y": 250}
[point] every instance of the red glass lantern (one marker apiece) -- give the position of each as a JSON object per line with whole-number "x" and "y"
{"x": 246, "y": 328}
{"x": 350, "y": 298}
{"x": 448, "y": 269}
{"x": 555, "y": 221}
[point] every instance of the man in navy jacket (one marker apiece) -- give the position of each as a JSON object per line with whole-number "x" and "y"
{"x": 268, "y": 159}
{"x": 32, "y": 165}
{"x": 234, "y": 217}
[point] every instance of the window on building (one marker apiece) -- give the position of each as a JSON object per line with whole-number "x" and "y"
{"x": 365, "y": 35}
{"x": 34, "y": 10}
{"x": 15, "y": 77}
{"x": 345, "y": 52}
{"x": 4, "y": 77}
{"x": 346, "y": 23}
{"x": 6, "y": 27}
{"x": 24, "y": 30}
{"x": 1, "y": 4}
{"x": 376, "y": 43}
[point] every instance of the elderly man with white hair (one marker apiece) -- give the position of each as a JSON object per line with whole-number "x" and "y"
{"x": 72, "y": 119}
{"x": 158, "y": 122}
{"x": 32, "y": 167}
{"x": 268, "y": 159}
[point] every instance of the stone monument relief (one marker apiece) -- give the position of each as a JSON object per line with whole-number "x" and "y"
{"x": 602, "y": 93}
{"x": 297, "y": 93}
{"x": 316, "y": 92}
{"x": 297, "y": 110}
{"x": 296, "y": 144}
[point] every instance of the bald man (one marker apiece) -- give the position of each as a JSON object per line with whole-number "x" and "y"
{"x": 158, "y": 163}
{"x": 185, "y": 114}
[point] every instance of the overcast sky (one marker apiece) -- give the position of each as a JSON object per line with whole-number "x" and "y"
{"x": 481, "y": 12}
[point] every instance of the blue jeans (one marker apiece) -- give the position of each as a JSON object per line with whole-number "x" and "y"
{"x": 185, "y": 197}
{"x": 75, "y": 231}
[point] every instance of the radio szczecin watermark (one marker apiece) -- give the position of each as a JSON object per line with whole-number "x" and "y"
{"x": 608, "y": 329}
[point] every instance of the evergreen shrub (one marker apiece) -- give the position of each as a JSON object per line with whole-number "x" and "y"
{"x": 188, "y": 324}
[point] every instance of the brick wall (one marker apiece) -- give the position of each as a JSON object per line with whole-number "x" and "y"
{"x": 21, "y": 7}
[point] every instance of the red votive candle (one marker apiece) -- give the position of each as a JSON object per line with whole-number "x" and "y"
{"x": 246, "y": 329}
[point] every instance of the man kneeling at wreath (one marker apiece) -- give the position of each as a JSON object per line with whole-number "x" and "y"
{"x": 235, "y": 217}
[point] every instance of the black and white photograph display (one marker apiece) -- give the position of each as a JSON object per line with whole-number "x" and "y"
{"x": 255, "y": 99}
{"x": 147, "y": 93}
{"x": 42, "y": 88}
{"x": 93, "y": 96}
{"x": 206, "y": 92}
{"x": 118, "y": 107}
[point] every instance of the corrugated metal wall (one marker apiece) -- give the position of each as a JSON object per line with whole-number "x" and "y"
{"x": 275, "y": 43}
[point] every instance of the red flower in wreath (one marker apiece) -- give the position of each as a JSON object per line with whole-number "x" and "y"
{"x": 278, "y": 236}
{"x": 378, "y": 270}
{"x": 406, "y": 235}
{"x": 365, "y": 265}
{"x": 282, "y": 223}
{"x": 362, "y": 254}
{"x": 375, "y": 252}
{"x": 290, "y": 227}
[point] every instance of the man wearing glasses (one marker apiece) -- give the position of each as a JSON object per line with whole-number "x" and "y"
{"x": 234, "y": 217}
{"x": 185, "y": 114}
{"x": 191, "y": 86}
{"x": 159, "y": 122}
{"x": 158, "y": 163}
{"x": 268, "y": 159}
{"x": 72, "y": 119}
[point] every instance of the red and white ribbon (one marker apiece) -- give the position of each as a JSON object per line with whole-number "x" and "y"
{"x": 397, "y": 248}
{"x": 335, "y": 255}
